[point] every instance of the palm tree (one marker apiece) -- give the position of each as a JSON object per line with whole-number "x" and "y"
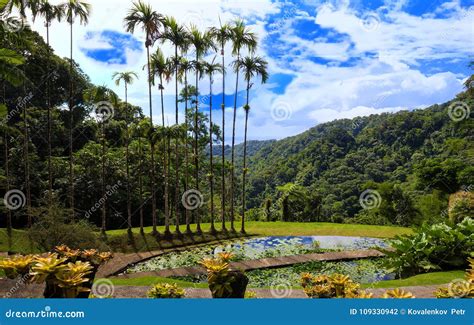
{"x": 127, "y": 78}
{"x": 210, "y": 69}
{"x": 222, "y": 35}
{"x": 251, "y": 68}
{"x": 202, "y": 42}
{"x": 95, "y": 95}
{"x": 184, "y": 67}
{"x": 176, "y": 34}
{"x": 73, "y": 9}
{"x": 138, "y": 130}
{"x": 242, "y": 37}
{"x": 49, "y": 12}
{"x": 161, "y": 68}
{"x": 143, "y": 15}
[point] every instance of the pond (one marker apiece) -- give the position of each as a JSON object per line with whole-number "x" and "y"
{"x": 263, "y": 247}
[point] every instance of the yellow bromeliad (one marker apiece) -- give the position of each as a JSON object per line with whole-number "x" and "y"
{"x": 398, "y": 293}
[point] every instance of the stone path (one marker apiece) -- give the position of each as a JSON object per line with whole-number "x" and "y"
{"x": 121, "y": 261}
{"x": 9, "y": 289}
{"x": 263, "y": 263}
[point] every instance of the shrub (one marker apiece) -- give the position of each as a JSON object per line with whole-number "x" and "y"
{"x": 223, "y": 282}
{"x": 333, "y": 286}
{"x": 398, "y": 293}
{"x": 250, "y": 294}
{"x": 68, "y": 273}
{"x": 52, "y": 228}
{"x": 166, "y": 290}
{"x": 459, "y": 288}
{"x": 461, "y": 205}
{"x": 436, "y": 247}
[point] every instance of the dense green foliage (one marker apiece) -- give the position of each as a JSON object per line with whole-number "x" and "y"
{"x": 433, "y": 248}
{"x": 413, "y": 159}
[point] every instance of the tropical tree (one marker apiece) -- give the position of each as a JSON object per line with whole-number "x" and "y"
{"x": 221, "y": 36}
{"x": 162, "y": 69}
{"x": 211, "y": 69}
{"x": 82, "y": 10}
{"x": 176, "y": 34}
{"x": 138, "y": 130}
{"x": 242, "y": 38}
{"x": 97, "y": 96}
{"x": 251, "y": 67}
{"x": 186, "y": 66}
{"x": 202, "y": 42}
{"x": 49, "y": 12}
{"x": 127, "y": 78}
{"x": 143, "y": 15}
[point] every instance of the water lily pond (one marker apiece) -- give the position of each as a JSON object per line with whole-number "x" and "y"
{"x": 365, "y": 271}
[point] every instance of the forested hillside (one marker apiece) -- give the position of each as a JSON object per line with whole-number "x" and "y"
{"x": 413, "y": 159}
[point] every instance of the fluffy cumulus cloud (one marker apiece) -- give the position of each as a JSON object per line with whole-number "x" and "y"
{"x": 328, "y": 59}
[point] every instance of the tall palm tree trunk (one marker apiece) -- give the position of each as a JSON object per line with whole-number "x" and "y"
{"x": 232, "y": 179}
{"x": 244, "y": 172}
{"x": 140, "y": 182}
{"x": 211, "y": 162}
{"x": 177, "y": 149}
{"x": 104, "y": 205}
{"x": 48, "y": 96}
{"x": 71, "y": 126}
{"x": 165, "y": 160}
{"x": 224, "y": 229}
{"x": 152, "y": 147}
{"x": 127, "y": 158}
{"x": 7, "y": 180}
{"x": 196, "y": 155}
{"x": 186, "y": 155}
{"x": 26, "y": 144}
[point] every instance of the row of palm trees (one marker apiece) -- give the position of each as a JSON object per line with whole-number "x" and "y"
{"x": 161, "y": 29}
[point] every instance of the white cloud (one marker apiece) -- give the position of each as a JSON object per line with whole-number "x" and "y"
{"x": 386, "y": 82}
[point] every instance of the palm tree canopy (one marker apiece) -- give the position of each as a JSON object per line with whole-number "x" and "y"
{"x": 211, "y": 68}
{"x": 100, "y": 93}
{"x": 160, "y": 67}
{"x": 77, "y": 8}
{"x": 185, "y": 66}
{"x": 127, "y": 77}
{"x": 202, "y": 42}
{"x": 8, "y": 5}
{"x": 252, "y": 67}
{"x": 221, "y": 34}
{"x": 45, "y": 9}
{"x": 175, "y": 34}
{"x": 142, "y": 14}
{"x": 242, "y": 37}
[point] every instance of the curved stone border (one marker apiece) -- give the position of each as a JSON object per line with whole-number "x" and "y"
{"x": 264, "y": 263}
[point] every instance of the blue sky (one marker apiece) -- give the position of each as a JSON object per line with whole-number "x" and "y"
{"x": 327, "y": 59}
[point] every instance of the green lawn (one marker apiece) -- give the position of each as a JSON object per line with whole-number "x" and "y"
{"x": 302, "y": 229}
{"x": 150, "y": 280}
{"x": 434, "y": 278}
{"x": 118, "y": 239}
{"x": 419, "y": 280}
